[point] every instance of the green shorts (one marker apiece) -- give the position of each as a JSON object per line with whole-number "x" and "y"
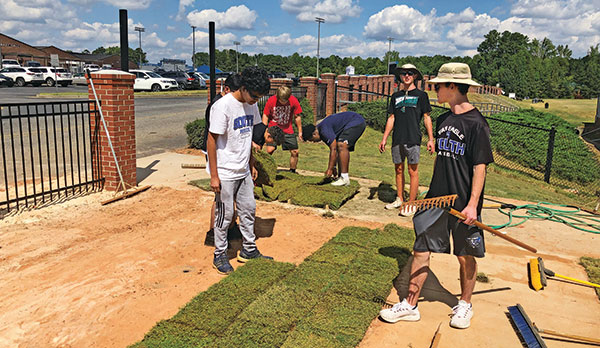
{"x": 290, "y": 142}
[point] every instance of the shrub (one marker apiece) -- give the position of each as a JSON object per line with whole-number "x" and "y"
{"x": 195, "y": 133}
{"x": 308, "y": 114}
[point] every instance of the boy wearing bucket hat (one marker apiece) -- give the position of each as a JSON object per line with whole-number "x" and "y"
{"x": 463, "y": 152}
{"x": 406, "y": 109}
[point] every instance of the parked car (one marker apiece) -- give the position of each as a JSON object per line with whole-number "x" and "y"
{"x": 54, "y": 75}
{"x": 91, "y": 67}
{"x": 146, "y": 80}
{"x": 32, "y": 63}
{"x": 22, "y": 77}
{"x": 10, "y": 63}
{"x": 200, "y": 78}
{"x": 79, "y": 79}
{"x": 184, "y": 80}
{"x": 6, "y": 81}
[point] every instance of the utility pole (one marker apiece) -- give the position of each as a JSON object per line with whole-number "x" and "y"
{"x": 390, "y": 39}
{"x": 193, "y": 47}
{"x": 140, "y": 30}
{"x": 237, "y": 66}
{"x": 319, "y": 20}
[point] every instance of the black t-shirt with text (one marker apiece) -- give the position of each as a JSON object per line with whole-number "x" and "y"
{"x": 462, "y": 141}
{"x": 408, "y": 109}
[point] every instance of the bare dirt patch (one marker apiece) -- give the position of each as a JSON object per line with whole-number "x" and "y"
{"x": 80, "y": 274}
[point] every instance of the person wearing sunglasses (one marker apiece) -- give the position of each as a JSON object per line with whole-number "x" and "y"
{"x": 231, "y": 165}
{"x": 407, "y": 108}
{"x": 463, "y": 152}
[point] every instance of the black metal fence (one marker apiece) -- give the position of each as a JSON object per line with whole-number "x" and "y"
{"x": 49, "y": 151}
{"x": 345, "y": 96}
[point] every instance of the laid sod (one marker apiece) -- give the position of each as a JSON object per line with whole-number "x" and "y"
{"x": 592, "y": 267}
{"x": 328, "y": 300}
{"x": 283, "y": 186}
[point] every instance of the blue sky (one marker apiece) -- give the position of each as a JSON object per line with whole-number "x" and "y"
{"x": 352, "y": 27}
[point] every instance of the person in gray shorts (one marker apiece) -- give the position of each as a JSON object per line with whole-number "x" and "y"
{"x": 406, "y": 109}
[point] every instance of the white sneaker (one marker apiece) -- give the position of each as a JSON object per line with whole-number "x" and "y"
{"x": 341, "y": 182}
{"x": 408, "y": 210}
{"x": 400, "y": 311}
{"x": 461, "y": 315}
{"x": 395, "y": 204}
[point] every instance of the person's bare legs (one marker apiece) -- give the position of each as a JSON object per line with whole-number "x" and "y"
{"x": 343, "y": 156}
{"x": 413, "y": 172}
{"x": 418, "y": 274}
{"x": 468, "y": 275}
{"x": 399, "y": 167}
{"x": 293, "y": 159}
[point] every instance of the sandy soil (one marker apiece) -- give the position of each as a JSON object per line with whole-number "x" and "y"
{"x": 78, "y": 274}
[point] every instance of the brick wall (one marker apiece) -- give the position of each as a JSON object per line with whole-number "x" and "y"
{"x": 115, "y": 92}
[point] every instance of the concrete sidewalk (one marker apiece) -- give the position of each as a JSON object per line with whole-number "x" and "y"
{"x": 164, "y": 169}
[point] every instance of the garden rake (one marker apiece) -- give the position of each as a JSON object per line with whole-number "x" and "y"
{"x": 123, "y": 190}
{"x": 446, "y": 202}
{"x": 538, "y": 275}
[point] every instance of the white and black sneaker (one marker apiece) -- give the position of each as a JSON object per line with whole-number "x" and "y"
{"x": 395, "y": 204}
{"x": 461, "y": 315}
{"x": 400, "y": 311}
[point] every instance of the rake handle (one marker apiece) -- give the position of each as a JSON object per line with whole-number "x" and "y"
{"x": 493, "y": 231}
{"x": 575, "y": 337}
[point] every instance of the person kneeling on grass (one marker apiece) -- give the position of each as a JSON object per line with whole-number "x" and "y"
{"x": 231, "y": 164}
{"x": 340, "y": 132}
{"x": 463, "y": 152}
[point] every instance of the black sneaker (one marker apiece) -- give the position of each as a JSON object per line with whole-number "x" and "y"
{"x": 245, "y": 256}
{"x": 210, "y": 238}
{"x": 222, "y": 265}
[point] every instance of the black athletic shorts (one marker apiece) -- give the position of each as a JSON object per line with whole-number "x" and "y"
{"x": 350, "y": 136}
{"x": 433, "y": 228}
{"x": 290, "y": 142}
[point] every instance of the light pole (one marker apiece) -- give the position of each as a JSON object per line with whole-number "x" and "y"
{"x": 193, "y": 47}
{"x": 390, "y": 39}
{"x": 237, "y": 66}
{"x": 318, "y": 20}
{"x": 140, "y": 30}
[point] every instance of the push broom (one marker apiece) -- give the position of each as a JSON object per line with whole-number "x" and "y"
{"x": 538, "y": 275}
{"x": 446, "y": 202}
{"x": 127, "y": 190}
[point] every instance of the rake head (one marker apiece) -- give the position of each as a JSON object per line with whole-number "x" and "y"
{"x": 435, "y": 202}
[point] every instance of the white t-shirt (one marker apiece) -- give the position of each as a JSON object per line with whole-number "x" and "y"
{"x": 233, "y": 121}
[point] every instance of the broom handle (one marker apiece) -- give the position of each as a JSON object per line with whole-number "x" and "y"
{"x": 493, "y": 231}
{"x": 576, "y": 280}
{"x": 575, "y": 337}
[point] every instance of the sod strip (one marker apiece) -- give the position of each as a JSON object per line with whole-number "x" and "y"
{"x": 329, "y": 300}
{"x": 207, "y": 316}
{"x": 592, "y": 267}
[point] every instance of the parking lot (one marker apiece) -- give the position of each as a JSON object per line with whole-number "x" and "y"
{"x": 159, "y": 123}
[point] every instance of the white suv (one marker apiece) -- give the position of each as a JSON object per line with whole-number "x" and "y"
{"x": 23, "y": 77}
{"x": 53, "y": 75}
{"x": 10, "y": 63}
{"x": 146, "y": 80}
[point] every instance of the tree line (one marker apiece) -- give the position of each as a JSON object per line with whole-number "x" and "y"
{"x": 528, "y": 67}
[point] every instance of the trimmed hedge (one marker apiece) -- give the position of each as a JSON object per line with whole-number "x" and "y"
{"x": 329, "y": 300}
{"x": 195, "y": 133}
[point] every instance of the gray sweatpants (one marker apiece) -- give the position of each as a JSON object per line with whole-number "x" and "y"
{"x": 241, "y": 192}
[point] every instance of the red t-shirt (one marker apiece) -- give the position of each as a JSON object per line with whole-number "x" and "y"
{"x": 282, "y": 115}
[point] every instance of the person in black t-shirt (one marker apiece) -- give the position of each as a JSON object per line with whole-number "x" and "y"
{"x": 463, "y": 152}
{"x": 406, "y": 109}
{"x": 262, "y": 134}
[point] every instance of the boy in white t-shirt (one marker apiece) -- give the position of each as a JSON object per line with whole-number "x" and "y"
{"x": 229, "y": 147}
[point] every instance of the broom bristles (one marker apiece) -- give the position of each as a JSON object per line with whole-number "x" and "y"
{"x": 535, "y": 279}
{"x": 435, "y": 202}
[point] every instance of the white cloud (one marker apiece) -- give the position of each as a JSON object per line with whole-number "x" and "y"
{"x": 333, "y": 11}
{"x": 222, "y": 41}
{"x": 403, "y": 23}
{"x": 564, "y": 9}
{"x": 236, "y": 17}
{"x": 183, "y": 5}
{"x": 35, "y": 11}
{"x": 468, "y": 35}
{"x": 128, "y": 4}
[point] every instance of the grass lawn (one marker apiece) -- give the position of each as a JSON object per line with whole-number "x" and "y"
{"x": 574, "y": 111}
{"x": 367, "y": 162}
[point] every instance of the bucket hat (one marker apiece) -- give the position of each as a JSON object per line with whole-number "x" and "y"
{"x": 455, "y": 72}
{"x": 418, "y": 76}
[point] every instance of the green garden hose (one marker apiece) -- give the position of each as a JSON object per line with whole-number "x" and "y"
{"x": 571, "y": 216}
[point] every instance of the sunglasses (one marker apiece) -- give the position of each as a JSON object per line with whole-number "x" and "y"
{"x": 252, "y": 95}
{"x": 406, "y": 72}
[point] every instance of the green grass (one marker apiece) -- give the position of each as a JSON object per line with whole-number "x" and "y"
{"x": 592, "y": 267}
{"x": 574, "y": 111}
{"x": 367, "y": 162}
{"x": 329, "y": 300}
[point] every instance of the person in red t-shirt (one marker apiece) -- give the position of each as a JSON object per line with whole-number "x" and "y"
{"x": 280, "y": 110}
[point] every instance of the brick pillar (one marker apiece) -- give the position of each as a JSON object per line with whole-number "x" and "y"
{"x": 218, "y": 83}
{"x": 329, "y": 80}
{"x": 343, "y": 82}
{"x": 354, "y": 81}
{"x": 115, "y": 92}
{"x": 371, "y": 86}
{"x": 310, "y": 83}
{"x": 362, "y": 84}
{"x": 276, "y": 83}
